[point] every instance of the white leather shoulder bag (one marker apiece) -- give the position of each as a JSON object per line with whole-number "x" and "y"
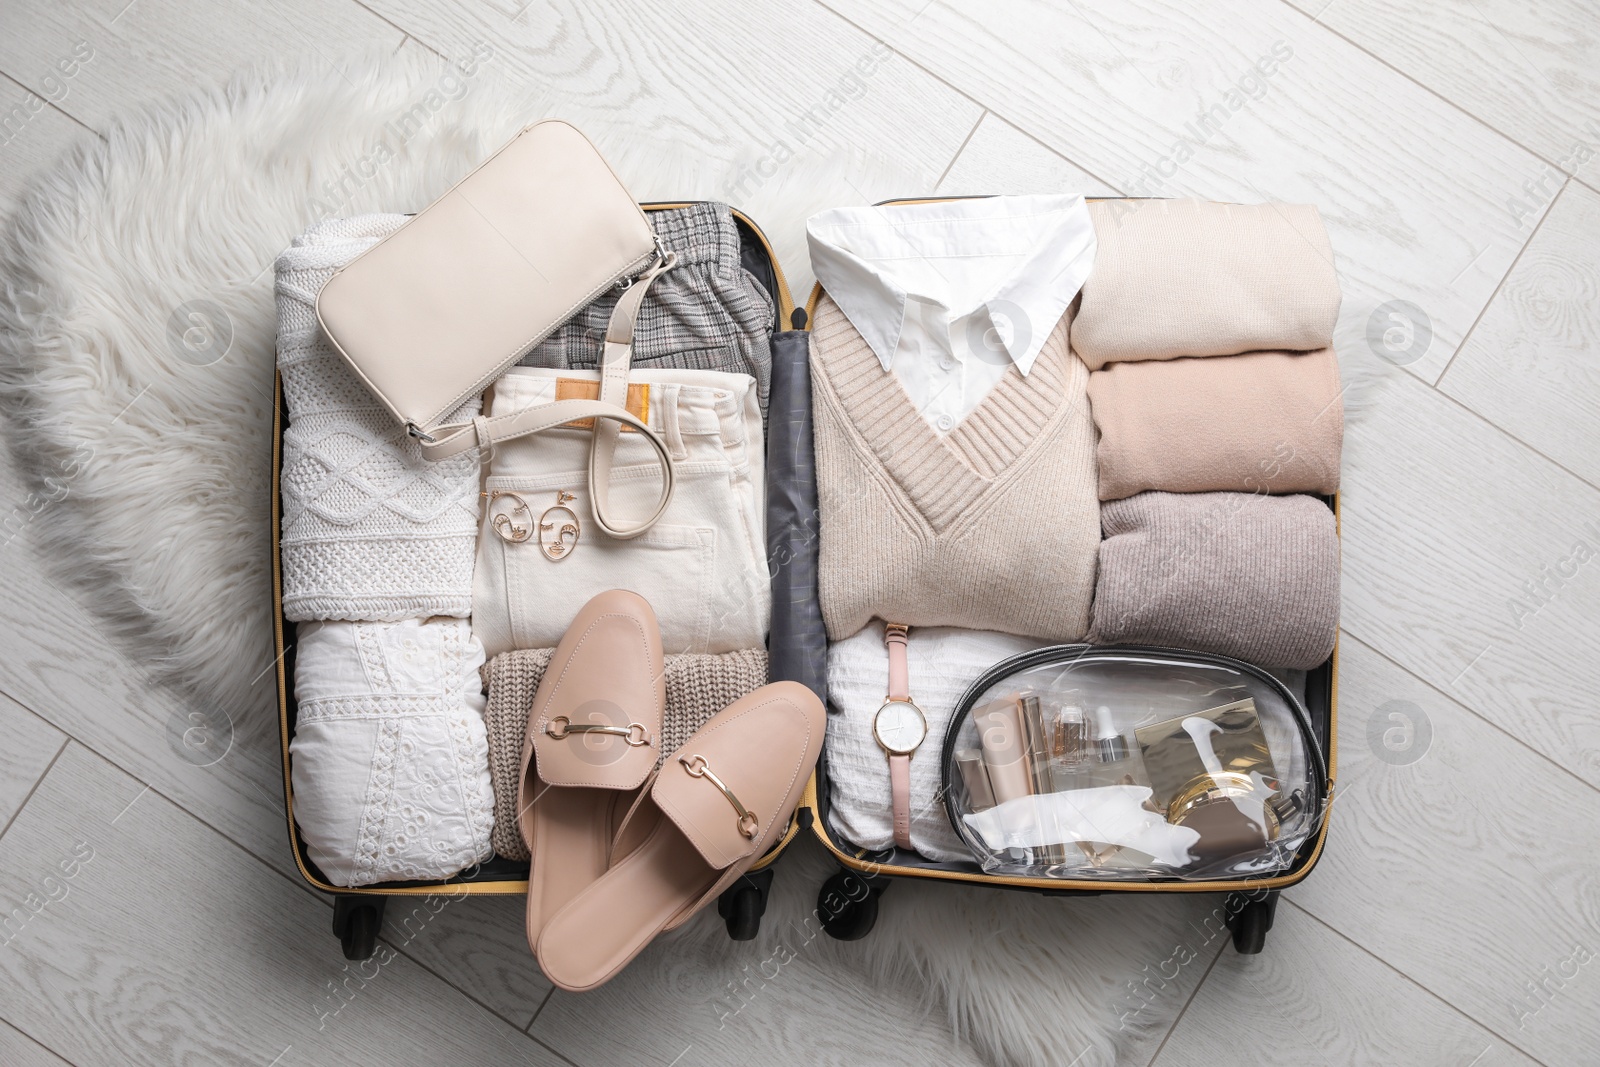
{"x": 439, "y": 309}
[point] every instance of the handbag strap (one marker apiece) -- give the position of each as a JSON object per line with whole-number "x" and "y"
{"x": 609, "y": 413}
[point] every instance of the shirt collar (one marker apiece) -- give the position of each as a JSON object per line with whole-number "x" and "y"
{"x": 1039, "y": 249}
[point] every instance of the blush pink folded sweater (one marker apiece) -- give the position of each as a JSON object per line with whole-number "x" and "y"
{"x": 1263, "y": 422}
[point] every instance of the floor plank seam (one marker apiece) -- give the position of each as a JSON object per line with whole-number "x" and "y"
{"x": 25, "y": 706}
{"x": 399, "y": 949}
{"x": 405, "y": 34}
{"x": 73, "y": 739}
{"x": 964, "y": 94}
{"x": 1116, "y": 189}
{"x": 63, "y": 112}
{"x": 34, "y": 788}
{"x": 962, "y": 147}
{"x": 548, "y": 994}
{"x": 1468, "y": 708}
{"x": 1467, "y": 1015}
{"x": 327, "y": 899}
{"x": 847, "y": 20}
{"x": 1513, "y": 438}
{"x": 1195, "y": 992}
{"x": 314, "y": 939}
{"x": 1466, "y": 337}
{"x": 1460, "y": 108}
{"x": 35, "y": 1041}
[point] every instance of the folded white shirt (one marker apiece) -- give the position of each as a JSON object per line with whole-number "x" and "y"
{"x": 950, "y": 295}
{"x": 942, "y": 662}
{"x": 389, "y": 760}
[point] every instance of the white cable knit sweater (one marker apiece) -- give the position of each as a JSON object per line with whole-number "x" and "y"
{"x": 371, "y": 530}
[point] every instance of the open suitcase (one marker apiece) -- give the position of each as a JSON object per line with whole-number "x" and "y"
{"x": 797, "y": 649}
{"x": 847, "y": 903}
{"x": 796, "y": 630}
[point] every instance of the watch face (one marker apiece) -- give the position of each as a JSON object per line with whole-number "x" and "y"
{"x": 899, "y": 726}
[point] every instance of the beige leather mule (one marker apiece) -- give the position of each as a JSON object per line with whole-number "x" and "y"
{"x": 713, "y": 809}
{"x": 594, "y": 734}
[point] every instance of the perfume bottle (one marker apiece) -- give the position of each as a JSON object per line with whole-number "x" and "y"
{"x": 1112, "y": 760}
{"x": 1069, "y": 746}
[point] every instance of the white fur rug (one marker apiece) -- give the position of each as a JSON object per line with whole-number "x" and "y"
{"x": 136, "y": 364}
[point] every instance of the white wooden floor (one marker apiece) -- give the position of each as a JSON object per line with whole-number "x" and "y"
{"x": 1455, "y": 919}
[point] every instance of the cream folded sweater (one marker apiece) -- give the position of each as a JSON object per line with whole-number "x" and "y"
{"x": 1253, "y": 577}
{"x": 1192, "y": 278}
{"x": 994, "y": 526}
{"x": 1263, "y": 422}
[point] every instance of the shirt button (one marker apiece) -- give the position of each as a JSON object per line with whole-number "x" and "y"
{"x": 947, "y": 363}
{"x": 945, "y": 422}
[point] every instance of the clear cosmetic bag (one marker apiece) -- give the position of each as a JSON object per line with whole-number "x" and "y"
{"x": 1133, "y": 764}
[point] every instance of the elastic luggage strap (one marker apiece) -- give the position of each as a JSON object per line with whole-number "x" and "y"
{"x": 608, "y": 412}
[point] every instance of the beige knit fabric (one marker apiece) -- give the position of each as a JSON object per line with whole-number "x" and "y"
{"x": 994, "y": 526}
{"x": 1262, "y": 422}
{"x": 1192, "y": 278}
{"x": 698, "y": 686}
{"x": 1240, "y": 574}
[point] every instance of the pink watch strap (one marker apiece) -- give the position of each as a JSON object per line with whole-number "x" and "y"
{"x": 894, "y": 636}
{"x": 900, "y": 787}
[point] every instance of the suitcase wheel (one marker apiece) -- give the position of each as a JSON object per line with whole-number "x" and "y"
{"x": 742, "y": 904}
{"x": 1250, "y": 920}
{"x": 848, "y": 904}
{"x": 356, "y": 922}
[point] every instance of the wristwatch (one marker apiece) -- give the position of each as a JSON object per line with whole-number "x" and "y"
{"x": 899, "y": 728}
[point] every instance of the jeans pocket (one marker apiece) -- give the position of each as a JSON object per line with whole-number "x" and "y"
{"x": 555, "y": 559}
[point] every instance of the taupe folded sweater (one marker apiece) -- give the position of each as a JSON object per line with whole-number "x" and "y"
{"x": 698, "y": 686}
{"x": 1253, "y": 577}
{"x": 1190, "y": 278}
{"x": 1264, "y": 422}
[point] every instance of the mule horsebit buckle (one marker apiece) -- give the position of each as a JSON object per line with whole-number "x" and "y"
{"x": 562, "y": 727}
{"x": 698, "y": 768}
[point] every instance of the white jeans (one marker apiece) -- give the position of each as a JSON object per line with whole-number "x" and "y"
{"x": 702, "y": 567}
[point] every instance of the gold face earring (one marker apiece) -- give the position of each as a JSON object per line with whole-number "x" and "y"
{"x": 558, "y": 523}
{"x": 505, "y": 524}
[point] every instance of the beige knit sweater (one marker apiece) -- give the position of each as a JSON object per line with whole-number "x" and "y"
{"x": 1178, "y": 278}
{"x": 698, "y": 686}
{"x": 995, "y": 526}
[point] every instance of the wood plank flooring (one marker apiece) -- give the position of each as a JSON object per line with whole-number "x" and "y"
{"x": 154, "y": 914}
